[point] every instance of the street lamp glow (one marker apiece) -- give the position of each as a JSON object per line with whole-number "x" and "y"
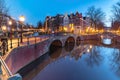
{"x": 4, "y": 28}
{"x": 22, "y": 18}
{"x": 90, "y": 46}
{"x": 10, "y": 22}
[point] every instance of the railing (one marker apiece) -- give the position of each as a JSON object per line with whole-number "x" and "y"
{"x": 5, "y": 72}
{"x": 9, "y": 44}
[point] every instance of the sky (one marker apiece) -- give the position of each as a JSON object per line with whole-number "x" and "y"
{"x": 36, "y": 10}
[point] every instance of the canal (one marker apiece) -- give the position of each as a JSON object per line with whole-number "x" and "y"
{"x": 81, "y": 62}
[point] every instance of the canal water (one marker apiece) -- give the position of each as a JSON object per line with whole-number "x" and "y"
{"x": 91, "y": 61}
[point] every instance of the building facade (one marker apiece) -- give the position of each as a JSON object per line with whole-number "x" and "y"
{"x": 75, "y": 23}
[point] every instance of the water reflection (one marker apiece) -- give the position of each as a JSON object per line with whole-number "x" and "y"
{"x": 107, "y": 41}
{"x": 115, "y": 62}
{"x": 55, "y": 54}
{"x": 94, "y": 57}
{"x": 85, "y": 62}
{"x": 77, "y": 52}
{"x": 36, "y": 34}
{"x": 78, "y": 41}
{"x": 69, "y": 46}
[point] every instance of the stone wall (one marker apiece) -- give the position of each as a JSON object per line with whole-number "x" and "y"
{"x": 90, "y": 37}
{"x": 20, "y": 57}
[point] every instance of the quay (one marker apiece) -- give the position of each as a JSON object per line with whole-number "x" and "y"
{"x": 19, "y": 56}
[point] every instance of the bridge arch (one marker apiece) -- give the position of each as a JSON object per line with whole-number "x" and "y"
{"x": 54, "y": 45}
{"x": 69, "y": 43}
{"x": 70, "y": 39}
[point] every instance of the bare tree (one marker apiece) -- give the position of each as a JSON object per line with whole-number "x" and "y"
{"x": 40, "y": 25}
{"x": 116, "y": 11}
{"x": 3, "y": 12}
{"x": 96, "y": 16}
{"x": 116, "y": 15}
{"x": 3, "y": 8}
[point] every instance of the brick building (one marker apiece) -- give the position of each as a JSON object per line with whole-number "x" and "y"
{"x": 68, "y": 23}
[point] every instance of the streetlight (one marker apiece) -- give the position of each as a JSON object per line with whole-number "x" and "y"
{"x": 22, "y": 19}
{"x": 4, "y": 39}
{"x": 10, "y": 24}
{"x": 4, "y": 28}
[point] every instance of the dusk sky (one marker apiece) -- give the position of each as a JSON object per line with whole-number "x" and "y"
{"x": 35, "y": 10}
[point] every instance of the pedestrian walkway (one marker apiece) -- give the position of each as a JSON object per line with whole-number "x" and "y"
{"x": 15, "y": 42}
{"x": 26, "y": 42}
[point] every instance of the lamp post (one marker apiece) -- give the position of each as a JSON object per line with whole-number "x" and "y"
{"x": 4, "y": 39}
{"x": 22, "y": 19}
{"x": 10, "y": 24}
{"x": 4, "y": 28}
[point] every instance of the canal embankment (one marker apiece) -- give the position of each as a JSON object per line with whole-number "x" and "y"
{"x": 20, "y": 57}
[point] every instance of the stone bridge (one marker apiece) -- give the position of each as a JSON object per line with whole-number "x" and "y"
{"x": 63, "y": 40}
{"x": 20, "y": 57}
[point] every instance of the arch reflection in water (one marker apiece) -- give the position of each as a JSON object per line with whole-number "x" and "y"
{"x": 107, "y": 41}
{"x": 78, "y": 41}
{"x": 55, "y": 54}
{"x": 55, "y": 49}
{"x": 69, "y": 44}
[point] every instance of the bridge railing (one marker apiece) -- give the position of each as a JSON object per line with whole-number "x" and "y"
{"x": 5, "y": 73}
{"x": 9, "y": 44}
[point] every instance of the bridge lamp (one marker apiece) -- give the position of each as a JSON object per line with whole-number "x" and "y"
{"x": 10, "y": 24}
{"x": 4, "y": 28}
{"x": 22, "y": 19}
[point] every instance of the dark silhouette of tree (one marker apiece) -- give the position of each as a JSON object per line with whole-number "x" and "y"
{"x": 39, "y": 25}
{"x": 3, "y": 8}
{"x": 116, "y": 11}
{"x": 115, "y": 25}
{"x": 28, "y": 26}
{"x": 100, "y": 25}
{"x": 94, "y": 58}
{"x": 3, "y": 12}
{"x": 96, "y": 16}
{"x": 115, "y": 62}
{"x": 116, "y": 15}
